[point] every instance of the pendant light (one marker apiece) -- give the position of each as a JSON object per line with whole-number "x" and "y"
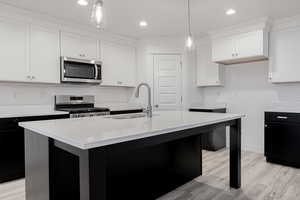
{"x": 97, "y": 13}
{"x": 189, "y": 40}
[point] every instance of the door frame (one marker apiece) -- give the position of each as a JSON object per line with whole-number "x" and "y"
{"x": 153, "y": 75}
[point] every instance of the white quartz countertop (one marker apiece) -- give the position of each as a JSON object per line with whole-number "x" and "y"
{"x": 283, "y": 109}
{"x": 28, "y": 111}
{"x": 87, "y": 133}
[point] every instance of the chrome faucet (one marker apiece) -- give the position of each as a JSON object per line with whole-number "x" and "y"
{"x": 137, "y": 94}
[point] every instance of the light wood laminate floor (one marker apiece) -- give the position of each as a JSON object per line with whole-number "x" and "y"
{"x": 260, "y": 181}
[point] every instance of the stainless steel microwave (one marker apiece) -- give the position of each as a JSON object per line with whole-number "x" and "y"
{"x": 75, "y": 70}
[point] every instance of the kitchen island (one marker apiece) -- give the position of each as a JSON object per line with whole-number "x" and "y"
{"x": 109, "y": 158}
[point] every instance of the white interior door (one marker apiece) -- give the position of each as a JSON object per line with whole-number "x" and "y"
{"x": 167, "y": 82}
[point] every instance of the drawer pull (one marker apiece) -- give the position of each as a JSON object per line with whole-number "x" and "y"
{"x": 282, "y": 117}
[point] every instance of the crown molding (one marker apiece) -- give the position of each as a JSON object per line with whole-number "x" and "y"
{"x": 19, "y": 14}
{"x": 257, "y": 24}
{"x": 286, "y": 23}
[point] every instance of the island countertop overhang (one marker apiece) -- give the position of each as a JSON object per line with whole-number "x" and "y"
{"x": 88, "y": 133}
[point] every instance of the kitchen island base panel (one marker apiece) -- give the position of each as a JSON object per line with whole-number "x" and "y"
{"x": 235, "y": 155}
{"x": 140, "y": 169}
{"x": 37, "y": 162}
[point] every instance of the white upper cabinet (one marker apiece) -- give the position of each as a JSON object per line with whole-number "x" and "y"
{"x": 208, "y": 73}
{"x": 77, "y": 46}
{"x": 119, "y": 65}
{"x": 14, "y": 37}
{"x": 284, "y": 56}
{"x": 250, "y": 45}
{"x": 222, "y": 49}
{"x": 246, "y": 47}
{"x": 31, "y": 53}
{"x": 44, "y": 55}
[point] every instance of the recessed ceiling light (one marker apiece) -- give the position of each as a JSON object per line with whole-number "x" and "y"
{"x": 143, "y": 24}
{"x": 83, "y": 2}
{"x": 230, "y": 12}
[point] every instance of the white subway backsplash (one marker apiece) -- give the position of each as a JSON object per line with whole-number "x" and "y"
{"x": 39, "y": 94}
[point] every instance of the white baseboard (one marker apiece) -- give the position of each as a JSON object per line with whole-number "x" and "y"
{"x": 252, "y": 148}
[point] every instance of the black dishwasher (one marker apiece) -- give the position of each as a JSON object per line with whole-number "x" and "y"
{"x": 282, "y": 138}
{"x": 216, "y": 139}
{"x": 12, "y": 161}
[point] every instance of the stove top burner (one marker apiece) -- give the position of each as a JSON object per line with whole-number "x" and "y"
{"x": 79, "y": 106}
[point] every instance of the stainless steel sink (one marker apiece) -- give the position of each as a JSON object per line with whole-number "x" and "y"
{"x": 128, "y": 116}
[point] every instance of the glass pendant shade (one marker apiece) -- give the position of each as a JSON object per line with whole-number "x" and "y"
{"x": 189, "y": 42}
{"x": 97, "y": 13}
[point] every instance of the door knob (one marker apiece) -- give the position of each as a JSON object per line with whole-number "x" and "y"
{"x": 156, "y": 106}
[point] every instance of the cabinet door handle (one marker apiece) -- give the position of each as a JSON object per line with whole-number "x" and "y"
{"x": 282, "y": 117}
{"x": 120, "y": 82}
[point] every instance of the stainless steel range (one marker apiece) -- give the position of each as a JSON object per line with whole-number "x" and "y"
{"x": 79, "y": 106}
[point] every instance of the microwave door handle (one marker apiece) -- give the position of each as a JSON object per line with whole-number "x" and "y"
{"x": 96, "y": 72}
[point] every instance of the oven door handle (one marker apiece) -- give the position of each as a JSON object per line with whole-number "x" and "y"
{"x": 96, "y": 71}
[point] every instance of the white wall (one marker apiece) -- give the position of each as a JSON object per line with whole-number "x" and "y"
{"x": 248, "y": 91}
{"x": 167, "y": 45}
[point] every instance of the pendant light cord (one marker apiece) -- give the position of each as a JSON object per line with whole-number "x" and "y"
{"x": 189, "y": 18}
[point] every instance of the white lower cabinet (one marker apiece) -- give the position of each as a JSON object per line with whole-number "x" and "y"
{"x": 44, "y": 55}
{"x": 284, "y": 56}
{"x": 119, "y": 65}
{"x": 14, "y": 45}
{"x": 208, "y": 73}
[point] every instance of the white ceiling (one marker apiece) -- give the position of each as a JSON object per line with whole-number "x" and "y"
{"x": 165, "y": 17}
